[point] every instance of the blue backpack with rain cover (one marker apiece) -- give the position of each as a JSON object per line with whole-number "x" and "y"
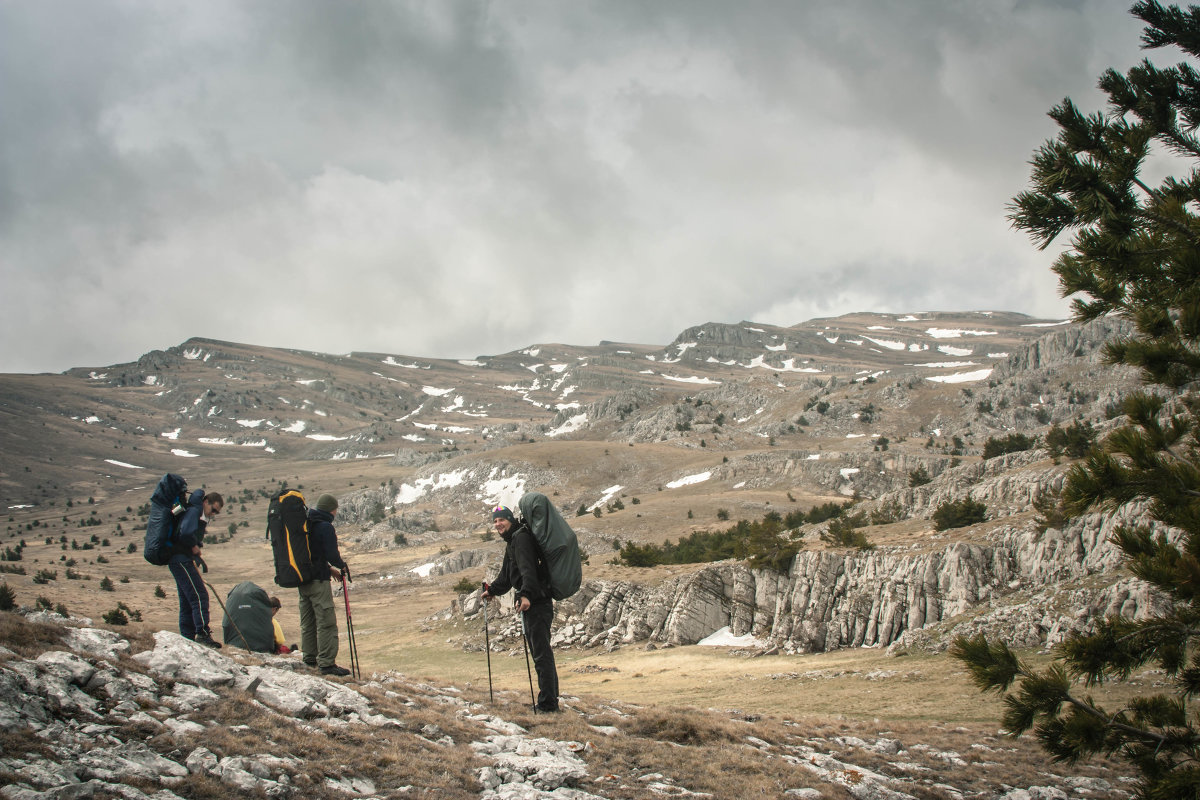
{"x": 167, "y": 505}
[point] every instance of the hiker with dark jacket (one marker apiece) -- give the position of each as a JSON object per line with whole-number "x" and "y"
{"x": 193, "y": 596}
{"x": 524, "y": 570}
{"x": 318, "y": 623}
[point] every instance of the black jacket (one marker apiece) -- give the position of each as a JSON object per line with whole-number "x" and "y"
{"x": 191, "y": 526}
{"x": 322, "y": 538}
{"x": 523, "y": 569}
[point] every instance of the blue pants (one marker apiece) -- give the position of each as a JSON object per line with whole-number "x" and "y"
{"x": 193, "y": 597}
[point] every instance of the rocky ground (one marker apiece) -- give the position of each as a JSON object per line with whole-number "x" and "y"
{"x": 87, "y": 713}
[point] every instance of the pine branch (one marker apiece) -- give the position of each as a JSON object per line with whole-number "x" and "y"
{"x": 1167, "y": 222}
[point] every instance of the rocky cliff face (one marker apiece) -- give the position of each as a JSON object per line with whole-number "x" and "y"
{"x": 1014, "y": 587}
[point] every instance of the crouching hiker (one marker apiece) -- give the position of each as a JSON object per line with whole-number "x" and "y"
{"x": 318, "y": 622}
{"x": 525, "y": 571}
{"x": 281, "y": 645}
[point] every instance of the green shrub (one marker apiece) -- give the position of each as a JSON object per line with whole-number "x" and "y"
{"x": 958, "y": 514}
{"x": 640, "y": 555}
{"x": 919, "y": 477}
{"x": 1074, "y": 441}
{"x": 1052, "y": 511}
{"x": 843, "y": 532}
{"x": 1013, "y": 443}
{"x": 763, "y": 544}
{"x": 887, "y": 513}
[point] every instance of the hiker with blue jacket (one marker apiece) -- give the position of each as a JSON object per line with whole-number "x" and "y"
{"x": 318, "y": 622}
{"x": 193, "y": 596}
{"x": 524, "y": 570}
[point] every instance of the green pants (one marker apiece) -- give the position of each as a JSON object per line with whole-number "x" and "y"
{"x": 318, "y": 624}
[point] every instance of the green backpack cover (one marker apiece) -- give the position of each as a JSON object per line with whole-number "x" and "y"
{"x": 560, "y": 546}
{"x": 247, "y": 622}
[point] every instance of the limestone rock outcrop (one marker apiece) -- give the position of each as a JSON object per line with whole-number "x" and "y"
{"x": 1015, "y": 584}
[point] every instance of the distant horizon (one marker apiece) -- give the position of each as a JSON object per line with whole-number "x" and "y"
{"x": 1042, "y": 322}
{"x": 452, "y": 178}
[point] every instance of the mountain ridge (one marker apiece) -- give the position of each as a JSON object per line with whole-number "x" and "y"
{"x": 637, "y": 445}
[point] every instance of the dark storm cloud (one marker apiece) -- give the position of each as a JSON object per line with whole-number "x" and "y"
{"x": 454, "y": 178}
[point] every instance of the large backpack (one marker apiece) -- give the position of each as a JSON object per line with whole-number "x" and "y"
{"x": 247, "y": 621}
{"x": 560, "y": 546}
{"x": 167, "y": 505}
{"x": 287, "y": 527}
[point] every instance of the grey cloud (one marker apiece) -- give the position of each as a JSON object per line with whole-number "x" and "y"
{"x": 464, "y": 177}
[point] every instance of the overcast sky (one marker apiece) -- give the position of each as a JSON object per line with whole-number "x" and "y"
{"x": 453, "y": 179}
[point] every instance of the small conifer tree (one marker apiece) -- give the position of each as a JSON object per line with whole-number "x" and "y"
{"x": 8, "y": 598}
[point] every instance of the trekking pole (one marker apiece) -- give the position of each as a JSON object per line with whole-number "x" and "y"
{"x": 350, "y": 630}
{"x": 525, "y": 642}
{"x": 487, "y": 647}
{"x": 216, "y": 594}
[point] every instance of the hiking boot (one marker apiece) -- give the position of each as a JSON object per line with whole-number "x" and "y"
{"x": 545, "y": 710}
{"x": 334, "y": 669}
{"x": 207, "y": 641}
